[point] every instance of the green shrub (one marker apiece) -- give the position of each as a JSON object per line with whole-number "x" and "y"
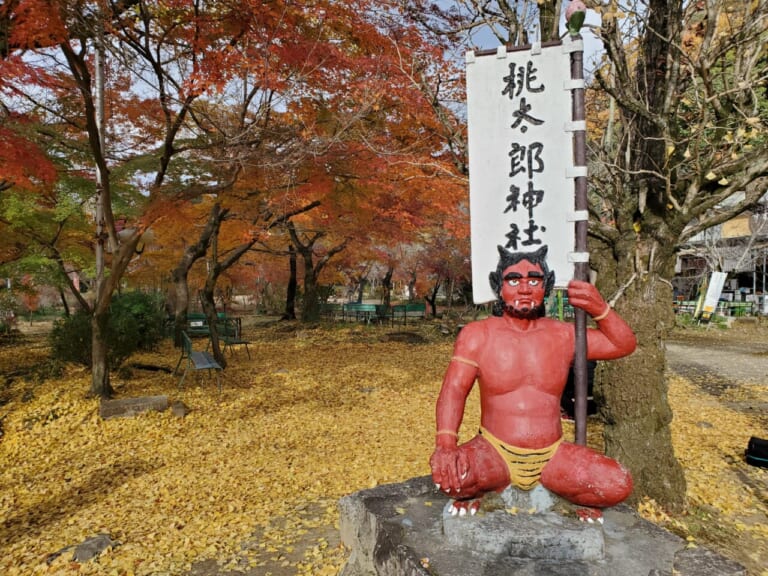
{"x": 135, "y": 323}
{"x": 143, "y": 311}
{"x": 685, "y": 320}
{"x": 71, "y": 339}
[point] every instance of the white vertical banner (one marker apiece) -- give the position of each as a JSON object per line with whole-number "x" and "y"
{"x": 716, "y": 283}
{"x": 521, "y": 172}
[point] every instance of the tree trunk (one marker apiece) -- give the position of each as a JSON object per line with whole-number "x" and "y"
{"x": 181, "y": 289}
{"x": 386, "y": 284}
{"x": 412, "y": 287}
{"x": 105, "y": 289}
{"x": 432, "y": 298}
{"x": 632, "y": 392}
{"x": 191, "y": 255}
{"x": 216, "y": 268}
{"x": 64, "y": 302}
{"x": 310, "y": 308}
{"x": 209, "y": 308}
{"x": 100, "y": 384}
{"x": 362, "y": 281}
{"x": 638, "y": 254}
{"x": 549, "y": 18}
{"x": 293, "y": 284}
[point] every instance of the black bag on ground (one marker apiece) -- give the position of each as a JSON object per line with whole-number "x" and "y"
{"x": 757, "y": 452}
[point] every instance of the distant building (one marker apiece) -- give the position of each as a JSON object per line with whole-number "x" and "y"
{"x": 738, "y": 247}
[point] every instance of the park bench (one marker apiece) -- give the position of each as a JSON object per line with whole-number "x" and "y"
{"x": 366, "y": 312}
{"x": 410, "y": 310}
{"x": 359, "y": 312}
{"x": 331, "y": 311}
{"x": 740, "y": 308}
{"x": 197, "y": 325}
{"x": 230, "y": 334}
{"x": 197, "y": 360}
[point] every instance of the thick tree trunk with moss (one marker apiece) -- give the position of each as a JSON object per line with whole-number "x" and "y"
{"x": 632, "y": 391}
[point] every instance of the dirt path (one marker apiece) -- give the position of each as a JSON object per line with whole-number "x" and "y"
{"x": 730, "y": 368}
{"x": 741, "y": 362}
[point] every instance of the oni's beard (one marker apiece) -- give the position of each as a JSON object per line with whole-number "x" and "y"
{"x": 524, "y": 312}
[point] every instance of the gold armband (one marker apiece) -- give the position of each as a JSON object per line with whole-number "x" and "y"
{"x": 604, "y": 314}
{"x": 465, "y": 361}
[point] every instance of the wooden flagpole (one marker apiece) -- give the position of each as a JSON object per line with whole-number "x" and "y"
{"x": 581, "y": 259}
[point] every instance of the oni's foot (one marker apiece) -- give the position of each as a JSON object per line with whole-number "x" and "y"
{"x": 590, "y": 515}
{"x": 464, "y": 507}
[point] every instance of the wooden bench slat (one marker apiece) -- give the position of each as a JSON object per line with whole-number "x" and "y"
{"x": 203, "y": 361}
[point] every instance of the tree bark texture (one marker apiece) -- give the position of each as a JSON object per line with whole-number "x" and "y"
{"x": 310, "y": 307}
{"x": 293, "y": 283}
{"x": 105, "y": 290}
{"x": 632, "y": 392}
{"x": 192, "y": 254}
{"x": 100, "y": 384}
{"x": 386, "y": 284}
{"x": 209, "y": 308}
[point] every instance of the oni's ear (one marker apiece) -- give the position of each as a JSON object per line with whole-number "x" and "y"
{"x": 495, "y": 279}
{"x": 549, "y": 282}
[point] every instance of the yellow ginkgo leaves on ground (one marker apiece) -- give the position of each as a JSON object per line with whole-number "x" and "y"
{"x": 250, "y": 479}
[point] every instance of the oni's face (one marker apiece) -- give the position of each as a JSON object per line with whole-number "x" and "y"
{"x": 522, "y": 289}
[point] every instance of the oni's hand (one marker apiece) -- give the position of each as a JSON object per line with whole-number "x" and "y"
{"x": 449, "y": 468}
{"x": 585, "y": 296}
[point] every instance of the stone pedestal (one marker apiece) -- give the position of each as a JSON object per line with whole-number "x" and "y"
{"x": 406, "y": 530}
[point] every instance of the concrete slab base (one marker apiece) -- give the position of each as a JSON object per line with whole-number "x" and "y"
{"x": 405, "y": 530}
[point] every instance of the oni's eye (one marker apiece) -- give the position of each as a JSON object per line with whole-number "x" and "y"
{"x": 530, "y": 281}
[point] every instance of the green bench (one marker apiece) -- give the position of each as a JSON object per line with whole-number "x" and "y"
{"x": 196, "y": 360}
{"x": 230, "y": 334}
{"x": 359, "y": 312}
{"x": 740, "y": 309}
{"x": 412, "y": 310}
{"x": 366, "y": 312}
{"x": 197, "y": 325}
{"x": 228, "y": 329}
{"x": 331, "y": 311}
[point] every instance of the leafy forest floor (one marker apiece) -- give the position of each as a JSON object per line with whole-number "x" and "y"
{"x": 247, "y": 482}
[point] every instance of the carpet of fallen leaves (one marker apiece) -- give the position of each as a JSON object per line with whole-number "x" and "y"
{"x": 248, "y": 481}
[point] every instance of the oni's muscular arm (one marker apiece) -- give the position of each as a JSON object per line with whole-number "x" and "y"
{"x": 613, "y": 337}
{"x": 449, "y": 467}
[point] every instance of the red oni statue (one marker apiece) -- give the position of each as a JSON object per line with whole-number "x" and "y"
{"x": 521, "y": 359}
